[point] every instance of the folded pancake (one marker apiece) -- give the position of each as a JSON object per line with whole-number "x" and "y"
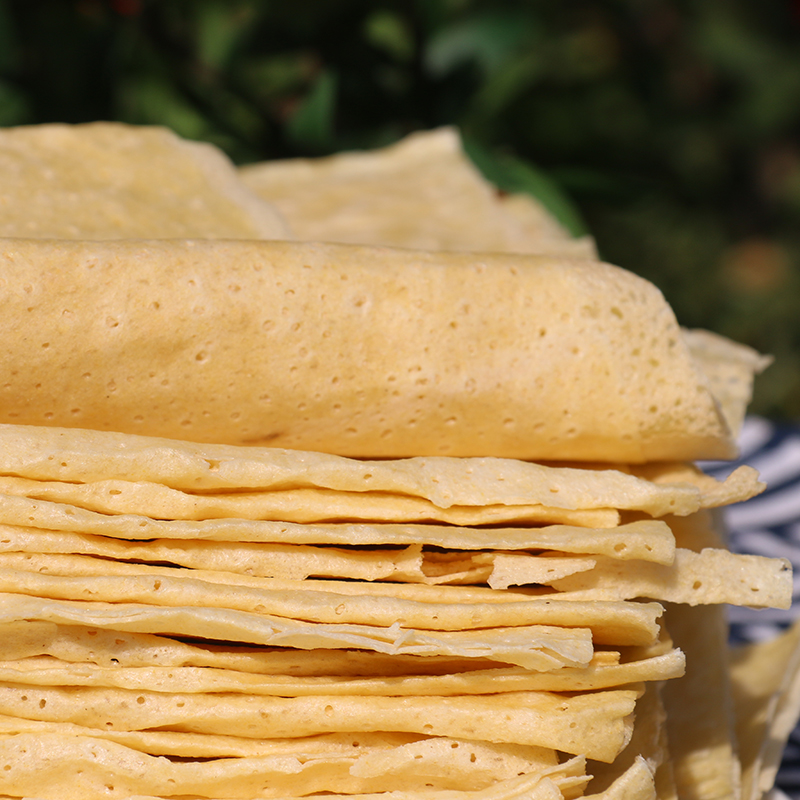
{"x": 360, "y": 351}
{"x": 105, "y": 180}
{"x": 422, "y": 192}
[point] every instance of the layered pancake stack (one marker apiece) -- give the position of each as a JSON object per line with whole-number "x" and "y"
{"x": 283, "y": 518}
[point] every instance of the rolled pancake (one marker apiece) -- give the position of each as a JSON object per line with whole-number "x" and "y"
{"x": 106, "y": 180}
{"x": 366, "y": 352}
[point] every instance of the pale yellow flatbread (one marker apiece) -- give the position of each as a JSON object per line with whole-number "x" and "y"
{"x": 293, "y": 505}
{"x": 422, "y": 192}
{"x": 53, "y": 455}
{"x": 297, "y": 562}
{"x": 700, "y": 724}
{"x": 648, "y": 742}
{"x": 728, "y": 368}
{"x": 616, "y": 624}
{"x": 203, "y": 745}
{"x": 517, "y": 569}
{"x": 585, "y": 503}
{"x": 541, "y": 228}
{"x": 698, "y": 531}
{"x": 130, "y": 660}
{"x": 643, "y": 539}
{"x": 310, "y": 346}
{"x": 765, "y": 677}
{"x": 710, "y": 577}
{"x": 106, "y": 180}
{"x": 107, "y": 647}
{"x": 85, "y": 768}
{"x": 636, "y": 783}
{"x": 366, "y": 752}
{"x": 597, "y": 725}
{"x": 47, "y": 671}
{"x": 462, "y": 617}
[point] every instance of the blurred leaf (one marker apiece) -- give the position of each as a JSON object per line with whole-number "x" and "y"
{"x": 312, "y": 124}
{"x": 149, "y": 101}
{"x": 275, "y": 76}
{"x": 503, "y": 86}
{"x": 13, "y": 105}
{"x": 588, "y": 53}
{"x": 615, "y": 113}
{"x": 511, "y": 174}
{"x": 767, "y": 74}
{"x": 698, "y": 154}
{"x": 9, "y": 39}
{"x": 488, "y": 39}
{"x": 220, "y": 26}
{"x": 388, "y": 31}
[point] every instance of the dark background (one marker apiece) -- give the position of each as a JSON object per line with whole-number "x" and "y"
{"x": 668, "y": 129}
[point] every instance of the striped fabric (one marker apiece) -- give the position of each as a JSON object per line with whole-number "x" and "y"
{"x": 769, "y": 525}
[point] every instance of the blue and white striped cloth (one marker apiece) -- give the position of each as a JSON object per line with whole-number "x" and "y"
{"x": 769, "y": 525}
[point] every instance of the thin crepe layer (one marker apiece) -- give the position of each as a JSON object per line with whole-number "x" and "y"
{"x": 106, "y": 180}
{"x": 368, "y": 352}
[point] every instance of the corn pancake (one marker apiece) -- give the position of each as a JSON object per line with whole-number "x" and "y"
{"x": 106, "y": 180}
{"x": 765, "y": 681}
{"x": 47, "y": 671}
{"x": 713, "y": 576}
{"x": 648, "y": 742}
{"x": 612, "y": 623}
{"x": 643, "y": 539}
{"x": 597, "y": 725}
{"x": 709, "y": 577}
{"x": 699, "y": 707}
{"x": 57, "y": 456}
{"x": 422, "y": 192}
{"x": 322, "y": 505}
{"x": 297, "y": 562}
{"x": 107, "y": 769}
{"x": 266, "y": 343}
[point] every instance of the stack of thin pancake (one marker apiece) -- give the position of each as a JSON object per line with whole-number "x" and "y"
{"x": 420, "y": 524}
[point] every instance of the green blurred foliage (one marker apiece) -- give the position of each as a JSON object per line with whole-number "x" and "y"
{"x": 669, "y": 129}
